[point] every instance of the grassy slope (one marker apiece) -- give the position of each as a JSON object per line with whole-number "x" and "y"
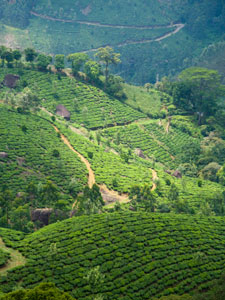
{"x": 30, "y": 154}
{"x": 141, "y": 255}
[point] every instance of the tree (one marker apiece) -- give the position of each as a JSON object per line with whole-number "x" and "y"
{"x": 147, "y": 86}
{"x": 30, "y": 54}
{"x": 90, "y": 202}
{"x": 114, "y": 87}
{"x": 17, "y": 55}
{"x": 221, "y": 175}
{"x": 107, "y": 57}
{"x": 144, "y": 196}
{"x": 77, "y": 61}
{"x": 43, "y": 61}
{"x": 49, "y": 193}
{"x": 9, "y": 57}
{"x": 94, "y": 277}
{"x": 27, "y": 100}
{"x": 59, "y": 62}
{"x": 173, "y": 194}
{"x": 92, "y": 70}
{"x": 3, "y": 51}
{"x": 6, "y": 199}
{"x": 202, "y": 90}
{"x": 209, "y": 172}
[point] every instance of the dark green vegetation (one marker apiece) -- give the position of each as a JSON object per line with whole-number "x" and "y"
{"x": 4, "y": 257}
{"x": 46, "y": 291}
{"x": 140, "y": 255}
{"x": 56, "y": 27}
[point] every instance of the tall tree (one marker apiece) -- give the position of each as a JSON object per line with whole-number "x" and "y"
{"x": 9, "y": 57}
{"x": 92, "y": 70}
{"x": 201, "y": 88}
{"x": 77, "y": 61}
{"x": 59, "y": 62}
{"x": 107, "y": 57}
{"x": 3, "y": 51}
{"x": 43, "y": 61}
{"x": 30, "y": 54}
{"x": 17, "y": 55}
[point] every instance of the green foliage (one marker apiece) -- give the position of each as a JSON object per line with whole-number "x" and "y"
{"x": 30, "y": 54}
{"x": 43, "y": 61}
{"x": 100, "y": 109}
{"x": 142, "y": 255}
{"x": 90, "y": 202}
{"x": 143, "y": 196}
{"x": 77, "y": 62}
{"x": 4, "y": 257}
{"x": 30, "y": 156}
{"x": 46, "y": 291}
{"x": 107, "y": 57}
{"x": 93, "y": 70}
{"x": 59, "y": 62}
{"x": 199, "y": 90}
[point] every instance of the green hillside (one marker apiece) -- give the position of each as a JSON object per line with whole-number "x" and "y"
{"x": 27, "y": 145}
{"x": 140, "y": 255}
{"x": 139, "y": 30}
{"x": 87, "y": 104}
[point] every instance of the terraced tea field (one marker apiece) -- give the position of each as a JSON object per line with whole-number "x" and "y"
{"x": 153, "y": 139}
{"x": 141, "y": 255}
{"x": 87, "y": 104}
{"x": 27, "y": 145}
{"x": 108, "y": 166}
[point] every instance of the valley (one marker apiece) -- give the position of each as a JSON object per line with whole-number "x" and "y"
{"x": 112, "y": 150}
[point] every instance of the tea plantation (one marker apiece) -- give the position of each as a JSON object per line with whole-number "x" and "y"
{"x": 4, "y": 257}
{"x": 87, "y": 104}
{"x": 153, "y": 139}
{"x": 31, "y": 151}
{"x": 109, "y": 166}
{"x": 141, "y": 255}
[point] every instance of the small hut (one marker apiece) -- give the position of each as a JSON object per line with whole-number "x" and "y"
{"x": 63, "y": 112}
{"x": 10, "y": 80}
{"x": 177, "y": 174}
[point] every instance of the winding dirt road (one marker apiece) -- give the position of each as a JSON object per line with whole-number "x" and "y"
{"x": 177, "y": 27}
{"x": 154, "y": 177}
{"x": 17, "y": 259}
{"x": 91, "y": 177}
{"x": 109, "y": 197}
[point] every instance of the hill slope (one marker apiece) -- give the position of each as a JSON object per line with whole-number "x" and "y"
{"x": 27, "y": 145}
{"x": 140, "y": 31}
{"x": 141, "y": 255}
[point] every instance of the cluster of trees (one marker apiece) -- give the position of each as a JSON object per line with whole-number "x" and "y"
{"x": 89, "y": 202}
{"x": 15, "y": 211}
{"x": 196, "y": 91}
{"x": 79, "y": 62}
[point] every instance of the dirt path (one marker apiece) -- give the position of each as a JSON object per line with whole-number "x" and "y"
{"x": 108, "y": 196}
{"x": 111, "y": 197}
{"x": 17, "y": 259}
{"x": 91, "y": 177}
{"x": 177, "y": 27}
{"x": 154, "y": 178}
